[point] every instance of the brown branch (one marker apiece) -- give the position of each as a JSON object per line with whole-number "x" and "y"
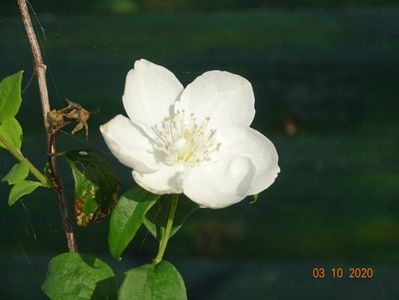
{"x": 40, "y": 71}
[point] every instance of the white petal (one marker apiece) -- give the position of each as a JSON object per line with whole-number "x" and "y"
{"x": 245, "y": 141}
{"x": 129, "y": 144}
{"x": 219, "y": 184}
{"x": 164, "y": 181}
{"x": 224, "y": 97}
{"x": 150, "y": 92}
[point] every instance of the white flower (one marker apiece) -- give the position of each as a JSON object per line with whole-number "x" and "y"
{"x": 196, "y": 140}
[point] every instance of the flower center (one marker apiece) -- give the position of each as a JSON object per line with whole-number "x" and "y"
{"x": 185, "y": 141}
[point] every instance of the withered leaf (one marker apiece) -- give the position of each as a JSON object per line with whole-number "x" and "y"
{"x": 96, "y": 186}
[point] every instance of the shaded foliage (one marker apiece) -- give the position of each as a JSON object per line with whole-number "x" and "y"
{"x": 129, "y": 6}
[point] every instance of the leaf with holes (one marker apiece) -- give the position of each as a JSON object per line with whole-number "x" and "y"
{"x": 79, "y": 277}
{"x": 10, "y": 96}
{"x": 127, "y": 218}
{"x": 17, "y": 173}
{"x": 157, "y": 216}
{"x": 153, "y": 282}
{"x": 21, "y": 189}
{"x": 96, "y": 186}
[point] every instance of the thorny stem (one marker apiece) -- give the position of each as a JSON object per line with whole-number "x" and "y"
{"x": 40, "y": 70}
{"x": 168, "y": 229}
{"x": 18, "y": 155}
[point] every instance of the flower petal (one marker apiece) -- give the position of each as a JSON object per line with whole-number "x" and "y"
{"x": 129, "y": 144}
{"x": 224, "y": 97}
{"x": 150, "y": 92}
{"x": 166, "y": 180}
{"x": 245, "y": 141}
{"x": 219, "y": 184}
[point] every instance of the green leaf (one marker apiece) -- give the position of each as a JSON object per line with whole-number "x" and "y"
{"x": 18, "y": 173}
{"x": 127, "y": 218}
{"x": 153, "y": 282}
{"x": 10, "y": 96}
{"x": 21, "y": 189}
{"x": 74, "y": 276}
{"x": 255, "y": 198}
{"x": 157, "y": 216}
{"x": 96, "y": 186}
{"x": 12, "y": 132}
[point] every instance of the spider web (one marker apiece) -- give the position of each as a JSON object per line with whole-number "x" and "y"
{"x": 32, "y": 229}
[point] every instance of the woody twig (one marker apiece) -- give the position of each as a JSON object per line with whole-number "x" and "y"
{"x": 40, "y": 71}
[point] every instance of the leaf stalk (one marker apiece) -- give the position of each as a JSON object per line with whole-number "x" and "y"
{"x": 19, "y": 156}
{"x": 168, "y": 229}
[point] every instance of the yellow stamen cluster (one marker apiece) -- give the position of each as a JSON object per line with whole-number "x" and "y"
{"x": 184, "y": 141}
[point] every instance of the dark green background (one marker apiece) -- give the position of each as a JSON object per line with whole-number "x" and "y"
{"x": 332, "y": 68}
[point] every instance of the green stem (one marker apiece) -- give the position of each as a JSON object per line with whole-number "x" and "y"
{"x": 168, "y": 229}
{"x": 18, "y": 155}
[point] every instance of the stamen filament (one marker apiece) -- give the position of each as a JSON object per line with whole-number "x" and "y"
{"x": 185, "y": 141}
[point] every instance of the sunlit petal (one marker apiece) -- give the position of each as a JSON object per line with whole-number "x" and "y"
{"x": 248, "y": 142}
{"x": 223, "y": 97}
{"x": 166, "y": 180}
{"x": 130, "y": 145}
{"x": 150, "y": 92}
{"x": 219, "y": 184}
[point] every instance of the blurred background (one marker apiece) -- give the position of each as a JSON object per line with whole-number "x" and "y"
{"x": 325, "y": 76}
